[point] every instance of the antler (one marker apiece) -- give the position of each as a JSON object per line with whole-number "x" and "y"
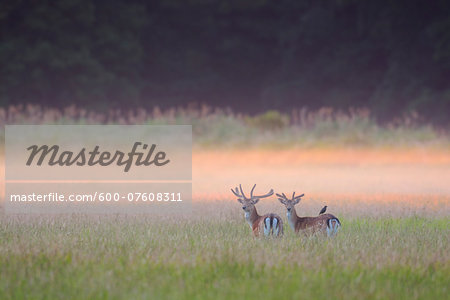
{"x": 298, "y": 197}
{"x": 270, "y": 193}
{"x": 251, "y": 193}
{"x": 241, "y": 195}
{"x": 283, "y": 198}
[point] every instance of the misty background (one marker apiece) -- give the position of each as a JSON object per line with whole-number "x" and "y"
{"x": 392, "y": 57}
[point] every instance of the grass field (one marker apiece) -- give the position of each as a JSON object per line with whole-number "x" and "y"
{"x": 394, "y": 206}
{"x": 215, "y": 258}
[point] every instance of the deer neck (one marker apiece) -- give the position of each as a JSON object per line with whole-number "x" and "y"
{"x": 292, "y": 218}
{"x": 251, "y": 217}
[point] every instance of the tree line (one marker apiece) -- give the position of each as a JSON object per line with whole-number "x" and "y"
{"x": 251, "y": 55}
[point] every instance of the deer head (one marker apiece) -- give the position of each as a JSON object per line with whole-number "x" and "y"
{"x": 248, "y": 203}
{"x": 289, "y": 203}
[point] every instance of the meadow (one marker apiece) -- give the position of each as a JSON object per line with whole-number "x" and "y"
{"x": 215, "y": 257}
{"x": 388, "y": 186}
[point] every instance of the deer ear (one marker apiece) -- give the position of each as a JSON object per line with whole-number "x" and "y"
{"x": 282, "y": 201}
{"x": 298, "y": 198}
{"x": 240, "y": 200}
{"x": 254, "y": 201}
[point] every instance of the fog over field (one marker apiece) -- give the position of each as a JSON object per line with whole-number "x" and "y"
{"x": 414, "y": 180}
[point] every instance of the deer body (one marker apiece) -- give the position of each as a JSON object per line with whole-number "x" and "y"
{"x": 269, "y": 224}
{"x": 326, "y": 223}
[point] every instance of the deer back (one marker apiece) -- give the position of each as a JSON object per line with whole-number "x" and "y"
{"x": 318, "y": 223}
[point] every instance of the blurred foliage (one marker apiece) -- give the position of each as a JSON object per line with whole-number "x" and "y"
{"x": 270, "y": 120}
{"x": 389, "y": 56}
{"x": 219, "y": 128}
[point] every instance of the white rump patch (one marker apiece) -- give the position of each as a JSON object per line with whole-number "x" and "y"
{"x": 267, "y": 226}
{"x": 276, "y": 229}
{"x": 332, "y": 227}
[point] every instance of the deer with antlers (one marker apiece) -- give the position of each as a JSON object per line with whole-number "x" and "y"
{"x": 326, "y": 223}
{"x": 271, "y": 224}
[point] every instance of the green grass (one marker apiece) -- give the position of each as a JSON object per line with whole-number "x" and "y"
{"x": 215, "y": 257}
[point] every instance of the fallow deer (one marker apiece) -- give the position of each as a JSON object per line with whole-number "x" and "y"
{"x": 271, "y": 223}
{"x": 322, "y": 223}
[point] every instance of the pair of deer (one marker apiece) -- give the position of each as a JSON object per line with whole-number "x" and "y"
{"x": 272, "y": 224}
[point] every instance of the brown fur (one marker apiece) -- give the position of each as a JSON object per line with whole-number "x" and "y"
{"x": 305, "y": 224}
{"x": 258, "y": 222}
{"x": 310, "y": 224}
{"x": 252, "y": 217}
